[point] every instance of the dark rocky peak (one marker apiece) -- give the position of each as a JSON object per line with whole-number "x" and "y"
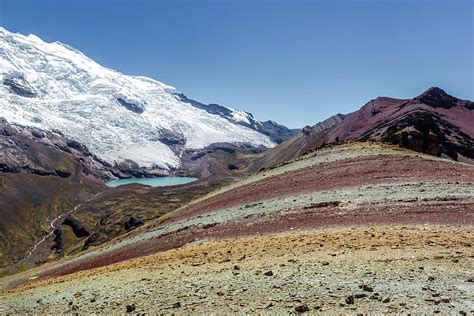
{"x": 437, "y": 98}
{"x": 131, "y": 106}
{"x": 277, "y": 132}
{"x": 20, "y": 87}
{"x": 175, "y": 139}
{"x": 212, "y": 108}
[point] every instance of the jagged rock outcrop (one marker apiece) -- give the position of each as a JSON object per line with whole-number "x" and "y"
{"x": 76, "y": 226}
{"x": 433, "y": 122}
{"x": 19, "y": 87}
{"x": 131, "y": 106}
{"x": 132, "y": 223}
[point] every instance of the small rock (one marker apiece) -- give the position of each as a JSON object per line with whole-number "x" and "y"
{"x": 386, "y": 299}
{"x": 325, "y": 263}
{"x": 350, "y": 299}
{"x": 367, "y": 288}
{"x": 220, "y": 294}
{"x": 268, "y": 273}
{"x": 431, "y": 278}
{"x": 470, "y": 280}
{"x": 435, "y": 294}
{"x": 236, "y": 267}
{"x": 302, "y": 308}
{"x": 130, "y": 308}
{"x": 360, "y": 295}
{"x": 445, "y": 300}
{"x": 177, "y": 305}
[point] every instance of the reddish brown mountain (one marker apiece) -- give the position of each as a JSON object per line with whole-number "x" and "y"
{"x": 434, "y": 123}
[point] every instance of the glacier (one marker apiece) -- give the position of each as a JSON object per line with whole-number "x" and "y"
{"x": 119, "y": 117}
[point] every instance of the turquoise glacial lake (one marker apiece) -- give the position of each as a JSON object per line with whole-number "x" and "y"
{"x": 154, "y": 182}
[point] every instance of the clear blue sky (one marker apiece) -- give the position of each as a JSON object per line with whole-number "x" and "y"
{"x": 296, "y": 62}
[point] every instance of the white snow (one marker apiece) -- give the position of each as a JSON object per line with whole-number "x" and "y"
{"x": 240, "y": 116}
{"x": 78, "y": 97}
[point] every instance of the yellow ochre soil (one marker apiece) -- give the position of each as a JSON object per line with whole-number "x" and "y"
{"x": 386, "y": 269}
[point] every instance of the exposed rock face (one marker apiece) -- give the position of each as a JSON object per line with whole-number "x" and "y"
{"x": 434, "y": 123}
{"x": 134, "y": 107}
{"x": 129, "y": 168}
{"x": 19, "y": 87}
{"x": 437, "y": 97}
{"x": 278, "y": 133}
{"x": 324, "y": 125}
{"x": 25, "y": 149}
{"x": 428, "y": 133}
{"x": 174, "y": 139}
{"x": 42, "y": 175}
{"x": 132, "y": 223}
{"x": 78, "y": 229}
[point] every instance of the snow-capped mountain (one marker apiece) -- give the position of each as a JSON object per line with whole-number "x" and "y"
{"x": 55, "y": 87}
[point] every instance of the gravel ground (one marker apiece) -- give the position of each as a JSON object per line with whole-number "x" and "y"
{"x": 322, "y": 233}
{"x": 397, "y": 269}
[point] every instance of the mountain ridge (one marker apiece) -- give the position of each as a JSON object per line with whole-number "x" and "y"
{"x": 120, "y": 118}
{"x": 444, "y": 126}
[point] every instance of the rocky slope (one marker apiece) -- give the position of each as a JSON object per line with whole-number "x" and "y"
{"x": 36, "y": 151}
{"x": 42, "y": 176}
{"x": 434, "y": 123}
{"x": 126, "y": 120}
{"x": 342, "y": 229}
{"x": 47, "y": 181}
{"x": 384, "y": 269}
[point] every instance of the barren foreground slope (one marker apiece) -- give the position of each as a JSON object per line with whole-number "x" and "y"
{"x": 355, "y": 227}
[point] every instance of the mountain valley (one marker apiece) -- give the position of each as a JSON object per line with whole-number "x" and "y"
{"x": 367, "y": 211}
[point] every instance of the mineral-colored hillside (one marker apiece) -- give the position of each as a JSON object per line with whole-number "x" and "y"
{"x": 347, "y": 228}
{"x": 434, "y": 122}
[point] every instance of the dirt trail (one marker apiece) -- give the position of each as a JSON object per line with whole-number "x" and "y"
{"x": 53, "y": 227}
